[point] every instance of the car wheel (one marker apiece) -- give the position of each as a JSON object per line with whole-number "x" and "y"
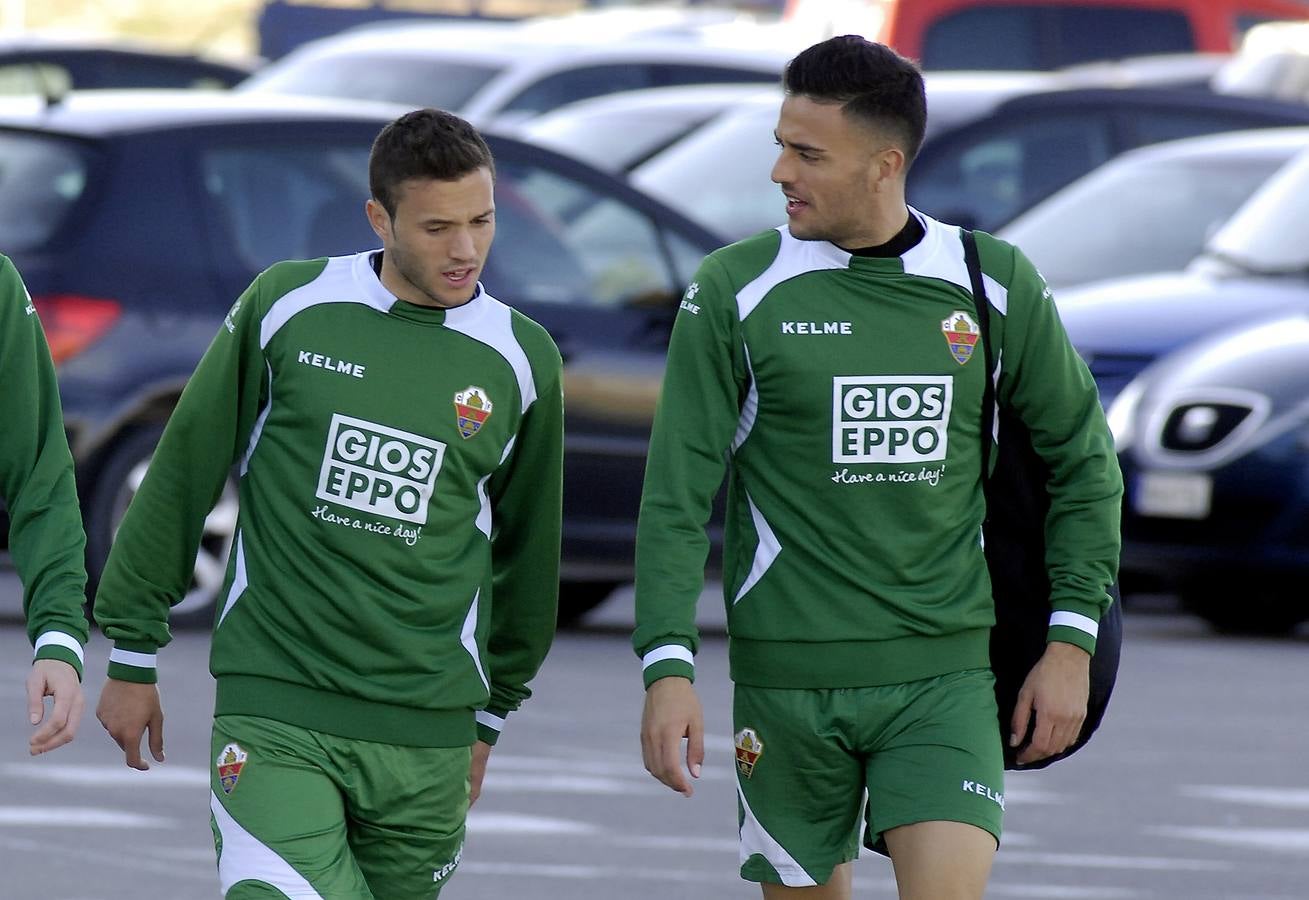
{"x": 577, "y": 598}
{"x": 119, "y": 480}
{"x": 1271, "y": 608}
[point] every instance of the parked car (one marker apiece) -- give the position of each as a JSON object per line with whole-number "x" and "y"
{"x": 1039, "y": 34}
{"x": 36, "y": 64}
{"x": 1255, "y": 266}
{"x": 986, "y": 172}
{"x": 1151, "y": 209}
{"x": 502, "y": 73}
{"x": 136, "y": 218}
{"x": 1212, "y": 440}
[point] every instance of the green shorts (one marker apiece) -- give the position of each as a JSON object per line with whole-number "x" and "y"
{"x": 923, "y": 751}
{"x": 302, "y": 814}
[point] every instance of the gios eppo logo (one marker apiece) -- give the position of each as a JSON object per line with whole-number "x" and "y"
{"x": 379, "y": 470}
{"x": 890, "y": 419}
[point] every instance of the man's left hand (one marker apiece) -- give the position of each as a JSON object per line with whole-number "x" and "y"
{"x": 53, "y": 678}
{"x": 1056, "y": 692}
{"x": 477, "y": 771}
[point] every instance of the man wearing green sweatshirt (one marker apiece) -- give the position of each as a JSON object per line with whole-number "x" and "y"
{"x": 394, "y": 578}
{"x": 46, "y": 539}
{"x": 832, "y": 367}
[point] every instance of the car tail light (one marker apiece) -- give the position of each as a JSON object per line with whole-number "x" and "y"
{"x": 73, "y": 322}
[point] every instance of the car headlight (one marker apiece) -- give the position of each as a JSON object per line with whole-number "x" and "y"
{"x": 1122, "y": 414}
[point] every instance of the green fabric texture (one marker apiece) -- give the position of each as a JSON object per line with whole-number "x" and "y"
{"x": 396, "y": 559}
{"x": 841, "y": 395}
{"x": 352, "y": 819}
{"x": 46, "y": 540}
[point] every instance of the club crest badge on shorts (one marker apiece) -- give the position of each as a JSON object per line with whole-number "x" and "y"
{"x": 748, "y": 750}
{"x": 961, "y": 333}
{"x": 230, "y": 763}
{"x": 472, "y": 409}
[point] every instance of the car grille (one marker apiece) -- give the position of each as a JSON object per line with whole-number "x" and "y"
{"x": 1196, "y": 427}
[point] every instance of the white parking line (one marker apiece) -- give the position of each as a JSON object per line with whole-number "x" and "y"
{"x": 78, "y": 817}
{"x": 1107, "y": 861}
{"x": 1271, "y": 797}
{"x": 1283, "y": 840}
{"x": 511, "y": 823}
{"x": 159, "y": 776}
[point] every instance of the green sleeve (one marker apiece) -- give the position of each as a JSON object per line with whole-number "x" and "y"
{"x": 46, "y": 540}
{"x": 698, "y": 413}
{"x": 526, "y": 494}
{"x": 153, "y": 557}
{"x": 1050, "y": 388}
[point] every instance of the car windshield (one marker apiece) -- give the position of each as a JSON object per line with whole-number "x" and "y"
{"x": 442, "y": 83}
{"x": 41, "y": 177}
{"x": 1132, "y": 217}
{"x": 719, "y": 175}
{"x": 1267, "y": 234}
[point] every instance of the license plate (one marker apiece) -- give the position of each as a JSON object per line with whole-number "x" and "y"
{"x": 1174, "y": 495}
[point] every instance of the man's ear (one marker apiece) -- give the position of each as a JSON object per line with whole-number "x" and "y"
{"x": 379, "y": 219}
{"x": 888, "y": 168}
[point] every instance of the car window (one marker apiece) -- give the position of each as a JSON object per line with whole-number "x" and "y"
{"x": 735, "y": 200}
{"x": 681, "y": 73}
{"x": 1134, "y": 218}
{"x": 986, "y": 177}
{"x": 580, "y": 84}
{"x": 290, "y": 201}
{"x": 1043, "y": 36}
{"x": 41, "y": 178}
{"x": 1267, "y": 233}
{"x": 35, "y": 78}
{"x": 445, "y": 84}
{"x": 1151, "y": 125}
{"x": 561, "y": 241}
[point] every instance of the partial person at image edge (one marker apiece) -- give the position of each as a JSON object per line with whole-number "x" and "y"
{"x": 46, "y": 539}
{"x": 393, "y": 584}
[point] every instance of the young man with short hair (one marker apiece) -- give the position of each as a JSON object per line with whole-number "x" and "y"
{"x": 46, "y": 539}
{"x": 393, "y": 583}
{"x": 833, "y": 365}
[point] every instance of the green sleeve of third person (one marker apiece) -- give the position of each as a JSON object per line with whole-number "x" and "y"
{"x": 152, "y": 561}
{"x": 46, "y": 539}
{"x": 526, "y": 494}
{"x": 698, "y": 413}
{"x": 1049, "y": 386}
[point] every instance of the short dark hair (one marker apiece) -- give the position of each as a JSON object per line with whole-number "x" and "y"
{"x": 871, "y": 81}
{"x": 425, "y": 143}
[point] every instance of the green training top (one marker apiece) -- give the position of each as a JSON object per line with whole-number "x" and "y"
{"x": 46, "y": 540}
{"x": 396, "y": 559}
{"x": 844, "y": 395}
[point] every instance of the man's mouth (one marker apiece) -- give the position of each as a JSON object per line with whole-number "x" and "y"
{"x": 458, "y": 277}
{"x": 794, "y": 204}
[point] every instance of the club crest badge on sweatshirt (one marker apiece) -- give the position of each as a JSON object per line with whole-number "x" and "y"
{"x": 472, "y": 409}
{"x": 961, "y": 333}
{"x": 748, "y": 750}
{"x": 230, "y": 763}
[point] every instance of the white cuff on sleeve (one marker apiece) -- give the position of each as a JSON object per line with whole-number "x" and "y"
{"x": 59, "y": 639}
{"x": 668, "y": 651}
{"x": 1076, "y": 620}
{"x": 132, "y": 658}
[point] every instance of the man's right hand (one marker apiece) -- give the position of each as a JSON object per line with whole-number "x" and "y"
{"x": 672, "y": 712}
{"x": 127, "y": 710}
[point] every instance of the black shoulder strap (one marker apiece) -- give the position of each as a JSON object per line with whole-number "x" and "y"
{"x": 982, "y": 307}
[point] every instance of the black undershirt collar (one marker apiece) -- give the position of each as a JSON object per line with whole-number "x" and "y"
{"x": 904, "y": 241}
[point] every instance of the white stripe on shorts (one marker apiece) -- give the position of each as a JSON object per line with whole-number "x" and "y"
{"x": 754, "y": 839}
{"x": 245, "y": 858}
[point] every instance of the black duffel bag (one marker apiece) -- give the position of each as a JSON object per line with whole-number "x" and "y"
{"x": 1014, "y": 531}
